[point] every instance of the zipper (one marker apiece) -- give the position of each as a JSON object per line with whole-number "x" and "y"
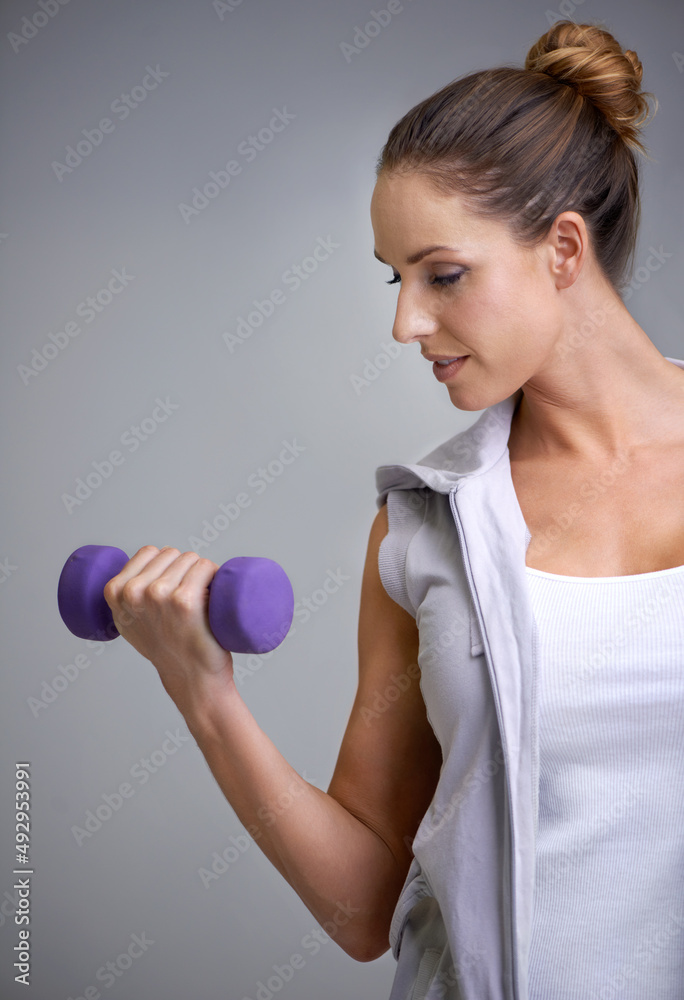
{"x": 497, "y": 704}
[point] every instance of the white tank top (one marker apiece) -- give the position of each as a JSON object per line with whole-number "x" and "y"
{"x": 609, "y": 870}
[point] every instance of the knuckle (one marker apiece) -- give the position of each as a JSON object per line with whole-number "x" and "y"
{"x": 183, "y": 600}
{"x": 125, "y": 617}
{"x": 131, "y": 592}
{"x": 158, "y": 589}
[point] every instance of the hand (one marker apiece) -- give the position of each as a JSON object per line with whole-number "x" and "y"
{"x": 159, "y": 602}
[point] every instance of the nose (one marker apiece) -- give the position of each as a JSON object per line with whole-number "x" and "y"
{"x": 412, "y": 320}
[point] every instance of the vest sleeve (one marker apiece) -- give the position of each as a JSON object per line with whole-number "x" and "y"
{"x": 406, "y": 511}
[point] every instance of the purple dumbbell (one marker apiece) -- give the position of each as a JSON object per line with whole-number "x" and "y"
{"x": 251, "y": 602}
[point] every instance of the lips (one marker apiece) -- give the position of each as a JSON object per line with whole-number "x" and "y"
{"x": 443, "y": 372}
{"x": 443, "y": 357}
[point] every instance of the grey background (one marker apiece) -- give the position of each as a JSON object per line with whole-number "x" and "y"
{"x": 162, "y": 336}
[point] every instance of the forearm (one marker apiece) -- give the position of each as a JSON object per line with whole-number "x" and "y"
{"x": 328, "y": 856}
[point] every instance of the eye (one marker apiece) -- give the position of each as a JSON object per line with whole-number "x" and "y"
{"x": 446, "y": 279}
{"x": 439, "y": 279}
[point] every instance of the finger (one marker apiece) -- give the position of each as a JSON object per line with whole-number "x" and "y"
{"x": 181, "y": 589}
{"x": 137, "y": 562}
{"x": 192, "y": 591}
{"x": 167, "y": 581}
{"x": 147, "y": 556}
{"x": 155, "y": 580}
{"x": 198, "y": 576}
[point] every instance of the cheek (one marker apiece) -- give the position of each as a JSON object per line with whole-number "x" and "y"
{"x": 503, "y": 321}
{"x": 497, "y": 310}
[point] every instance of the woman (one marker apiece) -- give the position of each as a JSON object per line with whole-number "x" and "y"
{"x": 507, "y": 805}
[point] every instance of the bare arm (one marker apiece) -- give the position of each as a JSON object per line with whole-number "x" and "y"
{"x": 342, "y": 851}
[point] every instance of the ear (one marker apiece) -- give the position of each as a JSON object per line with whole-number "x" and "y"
{"x": 568, "y": 245}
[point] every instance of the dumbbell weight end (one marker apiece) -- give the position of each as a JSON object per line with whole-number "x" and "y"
{"x": 251, "y": 604}
{"x": 251, "y": 601}
{"x": 80, "y": 595}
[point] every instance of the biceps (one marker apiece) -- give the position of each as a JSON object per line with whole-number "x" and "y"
{"x": 390, "y": 759}
{"x": 388, "y": 766}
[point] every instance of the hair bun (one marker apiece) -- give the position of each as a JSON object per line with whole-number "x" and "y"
{"x": 589, "y": 59}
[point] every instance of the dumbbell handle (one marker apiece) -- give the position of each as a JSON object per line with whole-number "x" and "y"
{"x": 251, "y": 601}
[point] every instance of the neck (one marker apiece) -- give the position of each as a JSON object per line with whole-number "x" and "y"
{"x": 597, "y": 396}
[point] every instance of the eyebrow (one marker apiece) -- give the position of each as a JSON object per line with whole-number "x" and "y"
{"x": 414, "y": 258}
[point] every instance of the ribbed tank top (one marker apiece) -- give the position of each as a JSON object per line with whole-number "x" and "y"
{"x": 609, "y": 885}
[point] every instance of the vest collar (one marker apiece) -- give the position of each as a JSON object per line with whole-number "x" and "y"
{"x": 468, "y": 453}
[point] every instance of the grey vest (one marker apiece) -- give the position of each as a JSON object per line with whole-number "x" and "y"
{"x": 454, "y": 558}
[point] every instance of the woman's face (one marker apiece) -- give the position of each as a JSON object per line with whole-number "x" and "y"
{"x": 484, "y": 297}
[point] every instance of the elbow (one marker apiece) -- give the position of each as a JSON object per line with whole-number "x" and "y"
{"x": 372, "y": 951}
{"x": 366, "y": 945}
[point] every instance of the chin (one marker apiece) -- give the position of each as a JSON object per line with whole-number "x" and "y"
{"x": 472, "y": 391}
{"x": 465, "y": 405}
{"x": 474, "y": 404}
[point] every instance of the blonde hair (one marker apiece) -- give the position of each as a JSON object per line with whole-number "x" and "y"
{"x": 524, "y": 144}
